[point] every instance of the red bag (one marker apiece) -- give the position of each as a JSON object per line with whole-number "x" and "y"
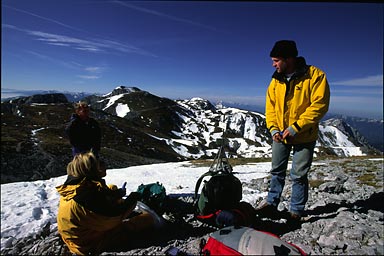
{"x": 247, "y": 241}
{"x": 215, "y": 247}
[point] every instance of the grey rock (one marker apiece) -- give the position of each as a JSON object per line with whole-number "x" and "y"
{"x": 331, "y": 187}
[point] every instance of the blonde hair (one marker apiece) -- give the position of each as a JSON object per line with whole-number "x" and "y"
{"x": 84, "y": 165}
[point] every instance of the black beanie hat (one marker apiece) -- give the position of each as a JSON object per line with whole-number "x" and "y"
{"x": 284, "y": 48}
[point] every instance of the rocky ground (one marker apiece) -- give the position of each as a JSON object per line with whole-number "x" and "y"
{"x": 345, "y": 214}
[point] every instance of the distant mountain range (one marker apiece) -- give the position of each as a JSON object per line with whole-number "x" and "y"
{"x": 9, "y": 94}
{"x": 371, "y": 129}
{"x": 140, "y": 128}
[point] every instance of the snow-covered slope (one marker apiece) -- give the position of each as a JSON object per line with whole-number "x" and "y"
{"x": 198, "y": 127}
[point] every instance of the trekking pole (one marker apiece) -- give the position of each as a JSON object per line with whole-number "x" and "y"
{"x": 218, "y": 164}
{"x": 223, "y": 157}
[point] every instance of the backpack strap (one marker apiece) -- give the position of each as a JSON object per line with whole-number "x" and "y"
{"x": 208, "y": 173}
{"x": 209, "y": 216}
{"x": 217, "y": 166}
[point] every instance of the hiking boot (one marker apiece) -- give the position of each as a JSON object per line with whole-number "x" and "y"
{"x": 294, "y": 220}
{"x": 294, "y": 216}
{"x": 267, "y": 210}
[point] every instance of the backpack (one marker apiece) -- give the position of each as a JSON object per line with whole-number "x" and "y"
{"x": 246, "y": 241}
{"x": 153, "y": 195}
{"x": 223, "y": 191}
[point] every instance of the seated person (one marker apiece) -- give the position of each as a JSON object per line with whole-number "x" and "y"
{"x": 92, "y": 217}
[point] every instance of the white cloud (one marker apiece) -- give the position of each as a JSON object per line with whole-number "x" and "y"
{"x": 59, "y": 44}
{"x": 94, "y": 69}
{"x": 365, "y": 81}
{"x": 90, "y": 45}
{"x": 89, "y": 49}
{"x": 71, "y": 65}
{"x": 4, "y": 26}
{"x": 88, "y": 77}
{"x": 61, "y": 40}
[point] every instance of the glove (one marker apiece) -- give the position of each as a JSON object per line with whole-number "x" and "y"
{"x": 123, "y": 190}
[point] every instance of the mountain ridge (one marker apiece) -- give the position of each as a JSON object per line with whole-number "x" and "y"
{"x": 142, "y": 128}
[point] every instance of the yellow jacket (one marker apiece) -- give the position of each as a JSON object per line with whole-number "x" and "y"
{"x": 88, "y": 210}
{"x": 298, "y": 104}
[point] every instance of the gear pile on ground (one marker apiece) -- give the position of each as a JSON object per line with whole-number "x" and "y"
{"x": 345, "y": 216}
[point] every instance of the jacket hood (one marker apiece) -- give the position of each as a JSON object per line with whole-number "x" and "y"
{"x": 68, "y": 189}
{"x": 73, "y": 186}
{"x": 68, "y": 192}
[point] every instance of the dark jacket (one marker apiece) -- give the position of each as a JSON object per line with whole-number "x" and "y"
{"x": 84, "y": 136}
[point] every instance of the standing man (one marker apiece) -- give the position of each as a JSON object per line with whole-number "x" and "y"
{"x": 296, "y": 100}
{"x": 83, "y": 131}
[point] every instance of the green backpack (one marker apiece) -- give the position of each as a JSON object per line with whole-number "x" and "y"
{"x": 222, "y": 191}
{"x": 153, "y": 195}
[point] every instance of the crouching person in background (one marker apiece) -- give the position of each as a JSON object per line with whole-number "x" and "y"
{"x": 92, "y": 217}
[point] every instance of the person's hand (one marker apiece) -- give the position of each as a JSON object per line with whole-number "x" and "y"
{"x": 286, "y": 135}
{"x": 278, "y": 137}
{"x": 281, "y": 136}
{"x": 123, "y": 190}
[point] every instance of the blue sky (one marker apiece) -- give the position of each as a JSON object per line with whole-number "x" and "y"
{"x": 183, "y": 49}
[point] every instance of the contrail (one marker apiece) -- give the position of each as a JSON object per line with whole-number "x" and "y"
{"x": 43, "y": 18}
{"x": 165, "y": 15}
